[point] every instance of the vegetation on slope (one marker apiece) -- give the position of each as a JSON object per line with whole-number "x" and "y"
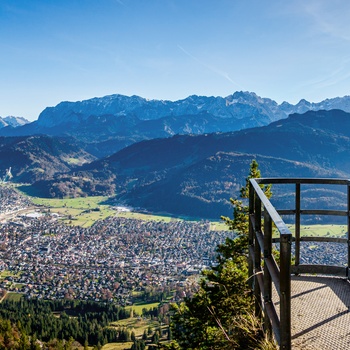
{"x": 60, "y": 320}
{"x": 220, "y": 315}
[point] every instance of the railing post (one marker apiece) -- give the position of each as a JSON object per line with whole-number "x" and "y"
{"x": 251, "y": 236}
{"x": 297, "y": 224}
{"x": 257, "y": 257}
{"x": 281, "y": 275}
{"x": 348, "y": 237}
{"x": 285, "y": 288}
{"x": 267, "y": 275}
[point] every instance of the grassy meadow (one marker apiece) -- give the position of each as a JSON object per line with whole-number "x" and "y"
{"x": 82, "y": 211}
{"x": 336, "y": 231}
{"x": 6, "y": 273}
{"x": 138, "y": 307}
{"x": 117, "y": 346}
{"x": 146, "y": 217}
{"x": 85, "y": 211}
{"x": 136, "y": 324}
{"x": 12, "y": 296}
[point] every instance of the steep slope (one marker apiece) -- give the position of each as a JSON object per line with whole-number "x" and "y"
{"x": 204, "y": 189}
{"x": 197, "y": 174}
{"x": 39, "y": 157}
{"x": 320, "y": 138}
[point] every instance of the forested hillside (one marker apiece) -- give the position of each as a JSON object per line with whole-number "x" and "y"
{"x": 199, "y": 173}
{"x": 54, "y": 321}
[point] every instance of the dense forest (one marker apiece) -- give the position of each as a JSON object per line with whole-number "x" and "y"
{"x": 84, "y": 321}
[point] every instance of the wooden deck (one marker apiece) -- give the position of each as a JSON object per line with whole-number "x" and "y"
{"x": 320, "y": 313}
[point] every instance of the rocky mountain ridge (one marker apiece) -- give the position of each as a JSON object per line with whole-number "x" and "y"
{"x": 108, "y": 124}
{"x": 224, "y": 107}
{"x": 12, "y": 121}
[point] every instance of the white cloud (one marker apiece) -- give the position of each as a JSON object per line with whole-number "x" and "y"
{"x": 211, "y": 68}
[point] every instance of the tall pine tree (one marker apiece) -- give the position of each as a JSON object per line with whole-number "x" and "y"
{"x": 220, "y": 315}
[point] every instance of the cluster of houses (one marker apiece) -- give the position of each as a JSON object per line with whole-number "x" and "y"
{"x": 114, "y": 258}
{"x": 108, "y": 261}
{"x": 11, "y": 201}
{"x": 323, "y": 253}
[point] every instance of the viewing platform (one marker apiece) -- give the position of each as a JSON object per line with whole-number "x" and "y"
{"x": 305, "y": 306}
{"x": 320, "y": 317}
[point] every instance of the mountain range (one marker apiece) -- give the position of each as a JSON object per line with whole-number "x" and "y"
{"x": 196, "y": 175}
{"x": 69, "y": 150}
{"x": 105, "y": 125}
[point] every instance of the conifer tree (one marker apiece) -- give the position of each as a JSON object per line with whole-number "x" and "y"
{"x": 220, "y": 315}
{"x": 240, "y": 222}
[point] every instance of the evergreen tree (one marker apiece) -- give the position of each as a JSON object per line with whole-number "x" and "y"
{"x": 34, "y": 344}
{"x": 170, "y": 335}
{"x": 240, "y": 221}
{"x": 220, "y": 315}
{"x": 155, "y": 338}
{"x": 24, "y": 343}
{"x": 133, "y": 336}
{"x": 90, "y": 325}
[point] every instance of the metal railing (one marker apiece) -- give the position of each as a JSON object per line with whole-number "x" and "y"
{"x": 262, "y": 264}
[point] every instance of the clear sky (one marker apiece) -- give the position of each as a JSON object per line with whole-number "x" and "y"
{"x": 70, "y": 50}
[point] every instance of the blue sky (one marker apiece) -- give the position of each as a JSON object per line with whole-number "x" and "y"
{"x": 70, "y": 50}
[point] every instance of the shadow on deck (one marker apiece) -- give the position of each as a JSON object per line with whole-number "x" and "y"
{"x": 308, "y": 310}
{"x": 320, "y": 313}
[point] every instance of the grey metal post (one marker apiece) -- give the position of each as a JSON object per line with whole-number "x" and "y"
{"x": 251, "y": 235}
{"x": 267, "y": 275}
{"x": 257, "y": 257}
{"x": 285, "y": 288}
{"x": 297, "y": 224}
{"x": 348, "y": 237}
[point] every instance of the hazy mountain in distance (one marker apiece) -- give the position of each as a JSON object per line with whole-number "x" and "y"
{"x": 12, "y": 121}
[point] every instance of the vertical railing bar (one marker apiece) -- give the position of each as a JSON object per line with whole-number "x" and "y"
{"x": 285, "y": 286}
{"x": 348, "y": 237}
{"x": 255, "y": 211}
{"x": 267, "y": 275}
{"x": 257, "y": 257}
{"x": 251, "y": 235}
{"x": 297, "y": 224}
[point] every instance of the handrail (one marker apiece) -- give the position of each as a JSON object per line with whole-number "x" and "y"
{"x": 262, "y": 215}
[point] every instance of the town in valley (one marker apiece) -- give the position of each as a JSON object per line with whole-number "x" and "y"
{"x": 110, "y": 261}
